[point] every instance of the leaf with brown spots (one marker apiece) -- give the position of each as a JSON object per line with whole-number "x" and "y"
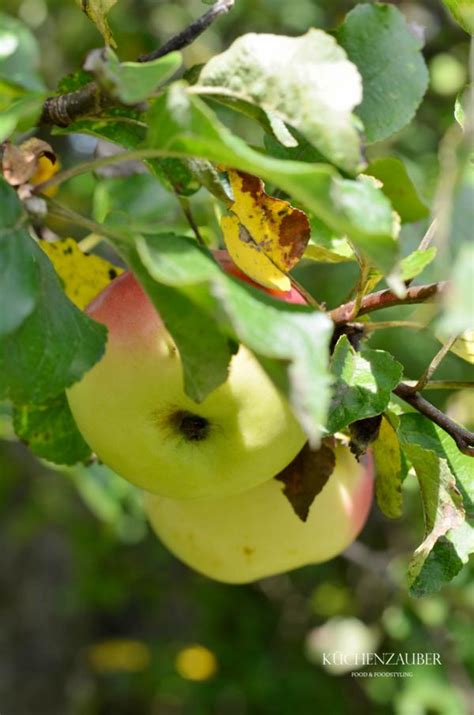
{"x": 306, "y": 476}
{"x": 265, "y": 236}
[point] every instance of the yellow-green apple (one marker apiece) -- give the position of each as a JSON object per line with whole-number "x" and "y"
{"x": 256, "y": 533}
{"x": 132, "y": 410}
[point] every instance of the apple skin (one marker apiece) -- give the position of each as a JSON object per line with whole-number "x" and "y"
{"x": 256, "y": 534}
{"x": 132, "y": 410}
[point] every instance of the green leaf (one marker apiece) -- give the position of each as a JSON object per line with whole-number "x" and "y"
{"x": 50, "y": 431}
{"x": 290, "y": 341}
{"x": 19, "y": 56}
{"x": 459, "y": 302}
{"x": 378, "y": 40}
{"x": 363, "y": 383}
{"x": 447, "y": 488}
{"x": 417, "y": 429}
{"x": 54, "y": 346}
{"x": 97, "y": 11}
{"x": 436, "y": 561}
{"x": 416, "y": 262}
{"x": 463, "y": 12}
{"x": 388, "y": 470}
{"x": 130, "y": 82}
{"x": 21, "y": 115}
{"x": 139, "y": 201}
{"x": 205, "y": 352}
{"x": 18, "y": 271}
{"x": 399, "y": 188}
{"x": 183, "y": 125}
{"x": 304, "y": 81}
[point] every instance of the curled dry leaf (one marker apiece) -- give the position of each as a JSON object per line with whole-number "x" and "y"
{"x": 265, "y": 236}
{"x": 33, "y": 161}
{"x": 306, "y": 476}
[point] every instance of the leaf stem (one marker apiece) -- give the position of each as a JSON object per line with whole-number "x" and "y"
{"x": 186, "y": 208}
{"x": 90, "y": 242}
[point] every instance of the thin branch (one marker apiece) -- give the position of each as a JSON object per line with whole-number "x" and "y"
{"x": 463, "y": 438}
{"x": 188, "y": 35}
{"x": 434, "y": 364}
{"x": 90, "y": 100}
{"x": 444, "y": 384}
{"x": 386, "y": 299}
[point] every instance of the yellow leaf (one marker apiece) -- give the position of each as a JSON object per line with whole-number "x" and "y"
{"x": 45, "y": 169}
{"x": 265, "y": 236}
{"x": 83, "y": 275}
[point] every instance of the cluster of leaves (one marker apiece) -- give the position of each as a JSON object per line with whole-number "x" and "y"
{"x": 319, "y": 99}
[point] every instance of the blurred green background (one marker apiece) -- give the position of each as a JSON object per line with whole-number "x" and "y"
{"x": 96, "y": 617}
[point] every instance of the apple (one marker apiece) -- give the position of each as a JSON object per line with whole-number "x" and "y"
{"x": 132, "y": 410}
{"x": 256, "y": 533}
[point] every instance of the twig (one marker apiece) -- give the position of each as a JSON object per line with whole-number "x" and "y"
{"x": 386, "y": 299}
{"x": 444, "y": 384}
{"x": 90, "y": 100}
{"x": 434, "y": 364}
{"x": 463, "y": 438}
{"x": 188, "y": 35}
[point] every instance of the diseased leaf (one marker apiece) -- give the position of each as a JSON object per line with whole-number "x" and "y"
{"x": 97, "y": 11}
{"x": 265, "y": 236}
{"x": 388, "y": 470}
{"x": 130, "y": 82}
{"x": 387, "y": 54}
{"x": 53, "y": 347}
{"x": 304, "y": 81}
{"x": 306, "y": 476}
{"x": 182, "y": 124}
{"x": 50, "y": 432}
{"x": 363, "y": 383}
{"x": 83, "y": 275}
{"x": 399, "y": 188}
{"x": 19, "y": 280}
